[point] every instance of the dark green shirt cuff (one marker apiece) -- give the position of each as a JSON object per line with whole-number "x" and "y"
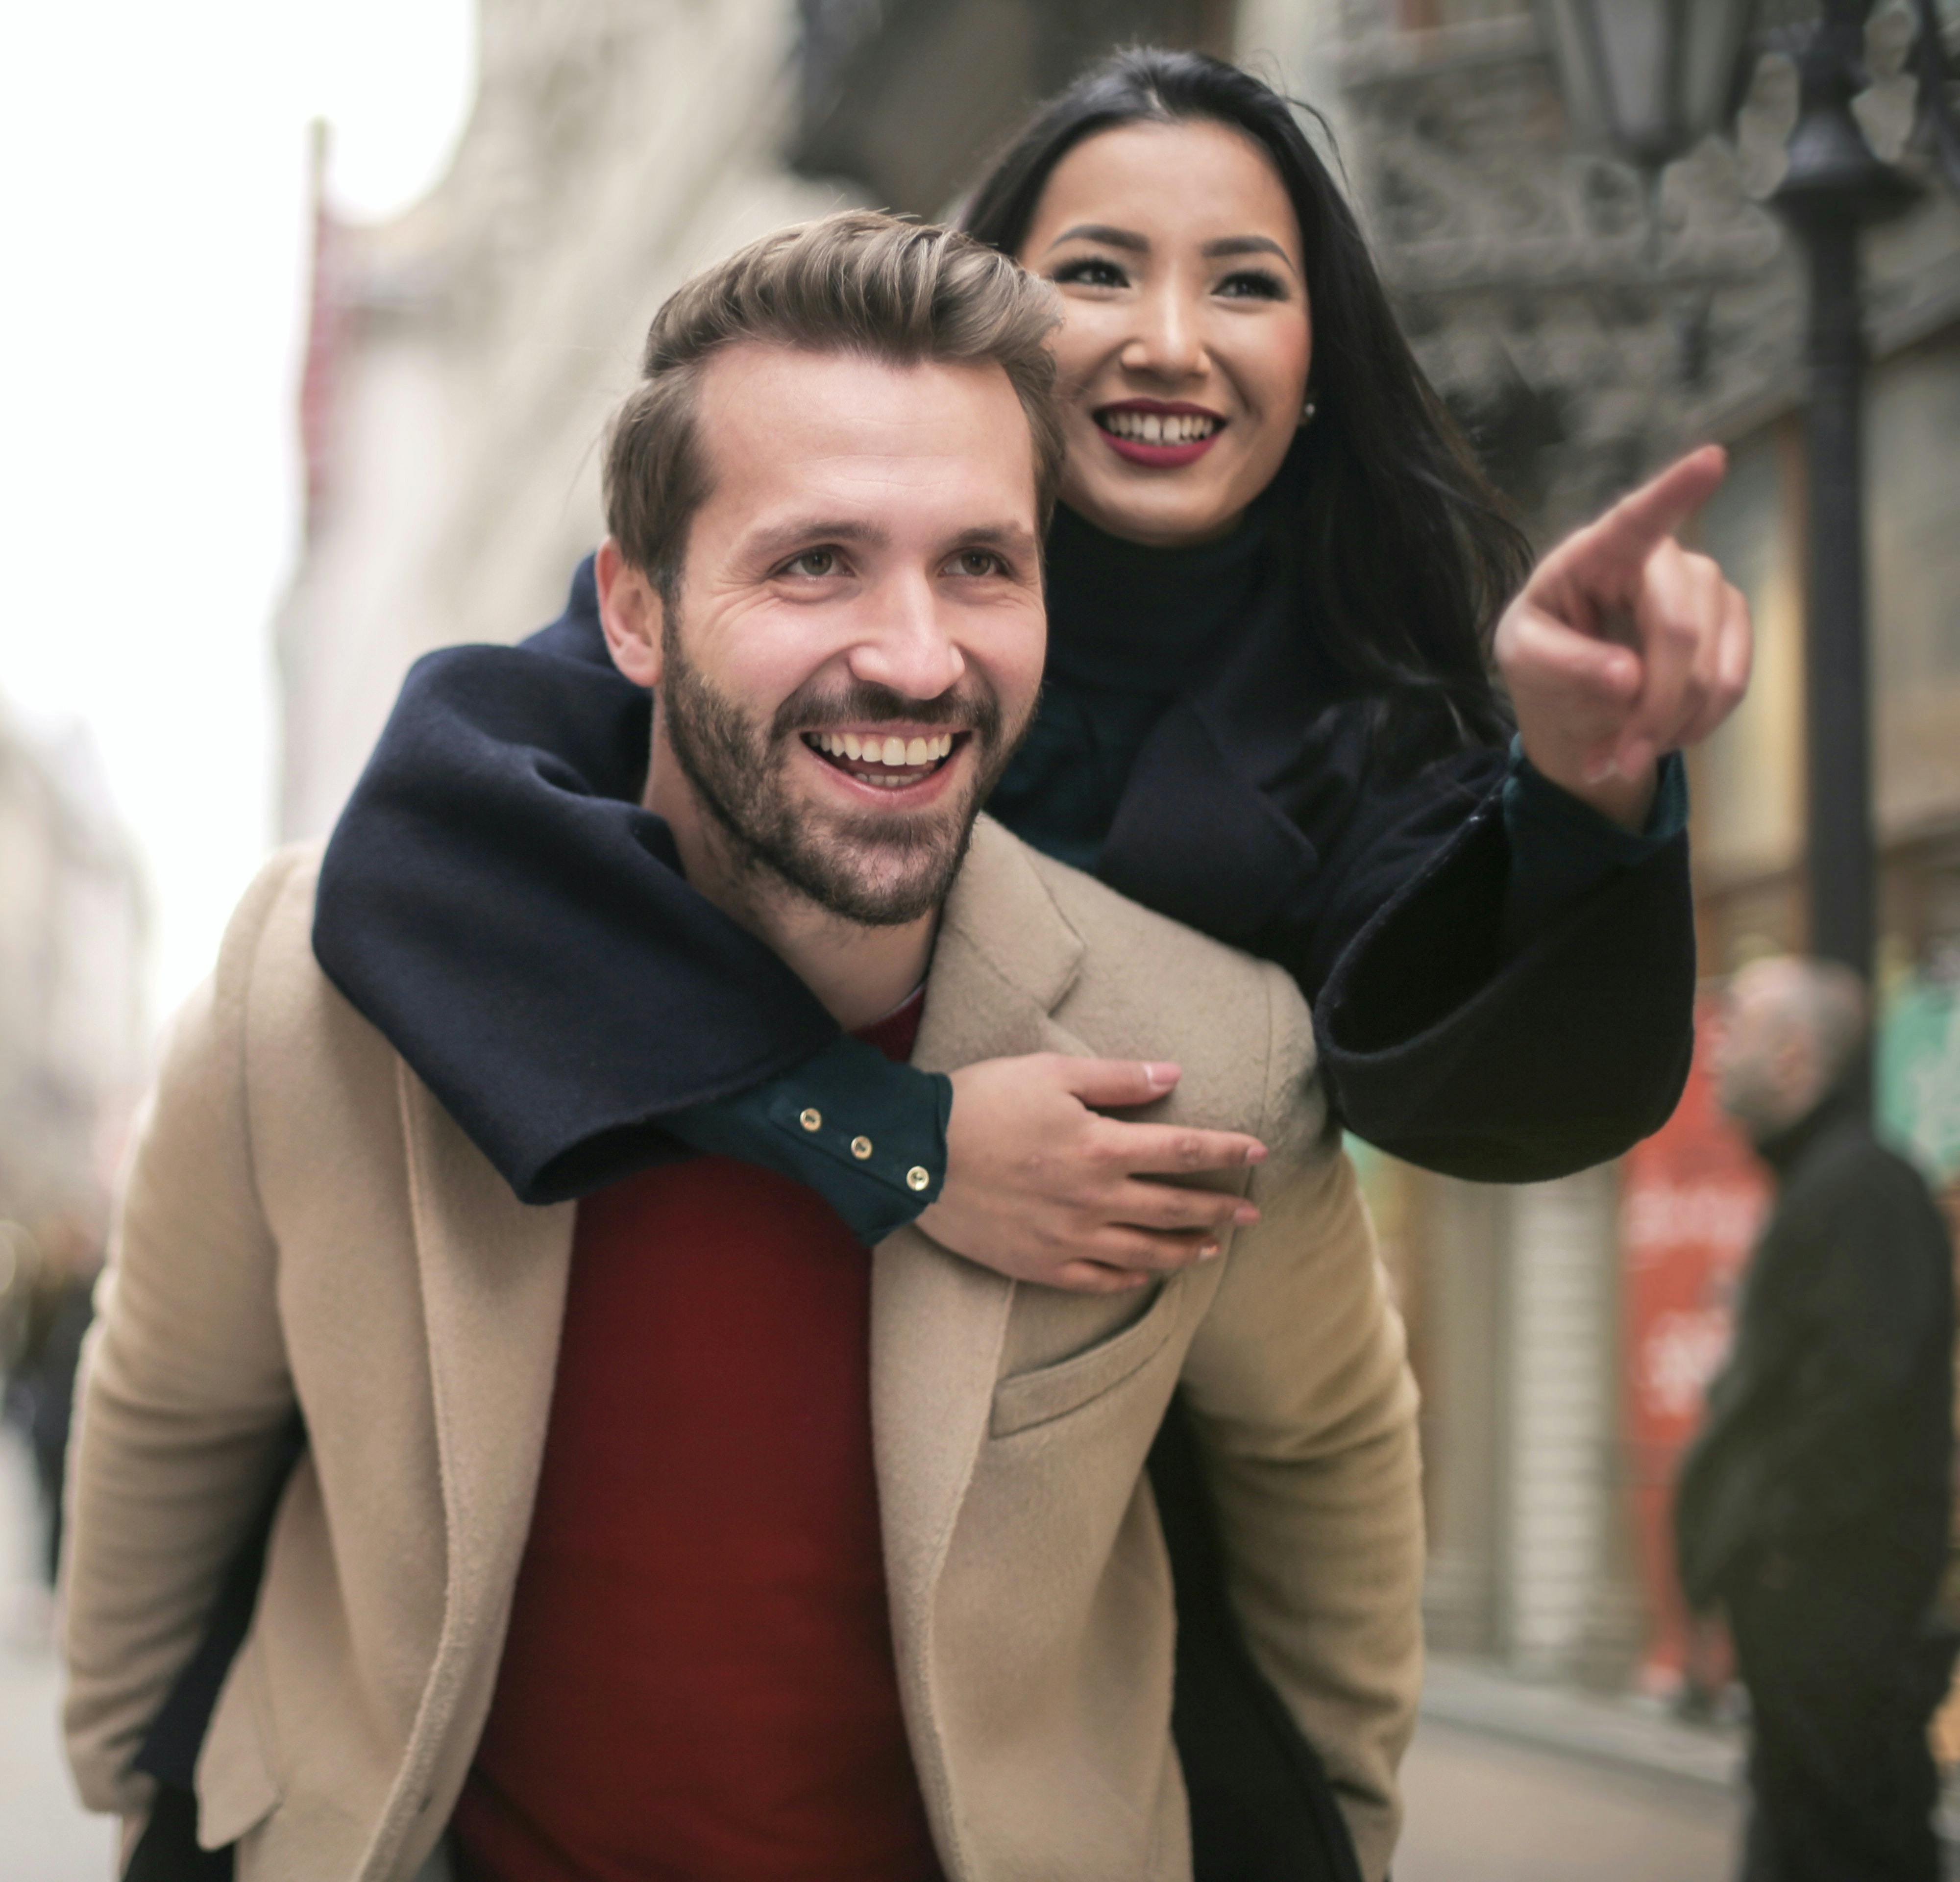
{"x": 1562, "y": 848}
{"x": 868, "y": 1134}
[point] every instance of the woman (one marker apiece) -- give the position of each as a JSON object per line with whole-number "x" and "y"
{"x": 1268, "y": 713}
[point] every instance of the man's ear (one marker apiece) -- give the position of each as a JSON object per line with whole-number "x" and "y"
{"x": 630, "y": 612}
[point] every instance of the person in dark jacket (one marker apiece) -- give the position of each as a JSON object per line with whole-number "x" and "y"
{"x": 40, "y": 1382}
{"x": 1813, "y": 1506}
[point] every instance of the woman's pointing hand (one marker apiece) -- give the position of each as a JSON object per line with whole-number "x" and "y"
{"x": 1624, "y": 645}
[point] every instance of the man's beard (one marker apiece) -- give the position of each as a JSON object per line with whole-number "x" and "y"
{"x": 878, "y": 871}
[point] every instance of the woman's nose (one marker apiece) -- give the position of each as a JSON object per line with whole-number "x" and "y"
{"x": 1168, "y": 343}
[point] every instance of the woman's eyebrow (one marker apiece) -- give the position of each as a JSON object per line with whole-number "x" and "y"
{"x": 1246, "y": 245}
{"x": 1101, "y": 232}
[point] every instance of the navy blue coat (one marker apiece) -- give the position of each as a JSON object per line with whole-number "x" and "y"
{"x": 497, "y": 902}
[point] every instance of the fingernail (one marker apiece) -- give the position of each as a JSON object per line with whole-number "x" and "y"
{"x": 1257, "y": 1153}
{"x": 1161, "y": 1076}
{"x": 1208, "y": 1252}
{"x": 1244, "y": 1215}
{"x": 1599, "y": 771}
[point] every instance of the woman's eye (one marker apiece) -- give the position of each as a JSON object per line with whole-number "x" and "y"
{"x": 1092, "y": 272}
{"x": 812, "y": 562}
{"x": 1252, "y": 284}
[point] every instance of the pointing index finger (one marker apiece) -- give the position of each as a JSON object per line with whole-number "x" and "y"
{"x": 1647, "y": 516}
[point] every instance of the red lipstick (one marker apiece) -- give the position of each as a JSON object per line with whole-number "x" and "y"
{"x": 1125, "y": 426}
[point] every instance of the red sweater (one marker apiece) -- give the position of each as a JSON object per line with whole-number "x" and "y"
{"x": 697, "y": 1685}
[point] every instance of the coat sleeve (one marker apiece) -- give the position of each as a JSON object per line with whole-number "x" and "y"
{"x": 1304, "y": 1411}
{"x": 1374, "y": 864}
{"x": 185, "y": 1399}
{"x": 1455, "y": 1043}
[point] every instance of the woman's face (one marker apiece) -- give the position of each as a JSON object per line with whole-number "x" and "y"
{"x": 1186, "y": 338}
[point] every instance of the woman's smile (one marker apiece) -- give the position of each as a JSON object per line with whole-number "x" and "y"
{"x": 1146, "y": 432}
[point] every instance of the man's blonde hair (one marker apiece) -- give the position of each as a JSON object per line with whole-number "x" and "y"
{"x": 860, "y": 283}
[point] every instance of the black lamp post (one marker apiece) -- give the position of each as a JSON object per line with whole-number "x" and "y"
{"x": 1649, "y": 78}
{"x": 1834, "y": 186}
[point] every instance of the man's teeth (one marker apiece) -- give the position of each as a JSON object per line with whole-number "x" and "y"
{"x": 886, "y": 751}
{"x": 1154, "y": 428}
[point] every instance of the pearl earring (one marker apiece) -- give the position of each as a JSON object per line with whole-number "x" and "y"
{"x": 1306, "y": 412}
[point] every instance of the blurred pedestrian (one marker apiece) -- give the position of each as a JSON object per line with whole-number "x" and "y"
{"x": 1814, "y": 1504}
{"x": 40, "y": 1382}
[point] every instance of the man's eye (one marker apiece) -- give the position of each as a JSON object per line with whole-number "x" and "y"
{"x": 979, "y": 562}
{"x": 1091, "y": 272}
{"x": 812, "y": 562}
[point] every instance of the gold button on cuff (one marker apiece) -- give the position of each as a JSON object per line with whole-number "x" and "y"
{"x": 917, "y": 1176}
{"x": 861, "y": 1147}
{"x": 812, "y": 1119}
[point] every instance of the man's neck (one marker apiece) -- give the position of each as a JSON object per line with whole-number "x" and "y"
{"x": 859, "y": 973}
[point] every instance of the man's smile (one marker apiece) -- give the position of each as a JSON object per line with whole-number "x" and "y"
{"x": 887, "y": 758}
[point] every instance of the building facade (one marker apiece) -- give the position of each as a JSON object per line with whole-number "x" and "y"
{"x": 1585, "y": 325}
{"x": 73, "y": 921}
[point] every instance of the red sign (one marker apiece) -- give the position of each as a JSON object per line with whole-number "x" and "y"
{"x": 1693, "y": 1197}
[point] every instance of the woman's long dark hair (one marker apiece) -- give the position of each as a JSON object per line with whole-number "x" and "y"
{"x": 1406, "y": 553}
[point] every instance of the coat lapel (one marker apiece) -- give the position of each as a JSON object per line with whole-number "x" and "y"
{"x": 1003, "y": 959}
{"x": 493, "y": 1274}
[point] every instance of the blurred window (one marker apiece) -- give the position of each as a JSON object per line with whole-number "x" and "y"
{"x": 1749, "y": 778}
{"x": 1749, "y": 783}
{"x": 1913, "y": 477}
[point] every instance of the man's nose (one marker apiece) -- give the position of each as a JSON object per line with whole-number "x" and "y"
{"x": 1169, "y": 342}
{"x": 910, "y": 648}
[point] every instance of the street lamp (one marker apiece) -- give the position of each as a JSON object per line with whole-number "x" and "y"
{"x": 1649, "y": 78}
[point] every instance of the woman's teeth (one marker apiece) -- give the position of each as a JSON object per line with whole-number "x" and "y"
{"x": 1155, "y": 428}
{"x": 912, "y": 752}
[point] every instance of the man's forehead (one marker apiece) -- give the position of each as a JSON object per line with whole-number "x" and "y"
{"x": 745, "y": 369}
{"x": 781, "y": 424}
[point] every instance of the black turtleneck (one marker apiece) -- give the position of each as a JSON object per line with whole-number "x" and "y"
{"x": 1130, "y": 629}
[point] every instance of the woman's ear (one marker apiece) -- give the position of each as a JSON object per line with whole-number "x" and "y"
{"x": 630, "y": 612}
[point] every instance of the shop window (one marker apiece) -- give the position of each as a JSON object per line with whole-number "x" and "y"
{"x": 1748, "y": 778}
{"x": 1913, "y": 477}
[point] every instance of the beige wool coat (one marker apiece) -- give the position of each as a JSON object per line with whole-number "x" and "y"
{"x": 302, "y": 1221}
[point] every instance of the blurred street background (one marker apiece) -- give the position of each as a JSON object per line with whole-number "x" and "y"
{"x": 328, "y": 316}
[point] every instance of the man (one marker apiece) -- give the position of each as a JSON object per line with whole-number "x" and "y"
{"x": 1813, "y": 1506}
{"x": 673, "y": 1535}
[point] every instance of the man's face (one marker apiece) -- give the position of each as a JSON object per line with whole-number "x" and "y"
{"x": 1760, "y": 1062}
{"x": 858, "y": 640}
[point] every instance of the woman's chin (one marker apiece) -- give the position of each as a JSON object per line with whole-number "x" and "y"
{"x": 1164, "y": 516}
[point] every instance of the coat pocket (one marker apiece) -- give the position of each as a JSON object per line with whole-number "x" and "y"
{"x": 238, "y": 1785}
{"x": 1030, "y": 1399}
